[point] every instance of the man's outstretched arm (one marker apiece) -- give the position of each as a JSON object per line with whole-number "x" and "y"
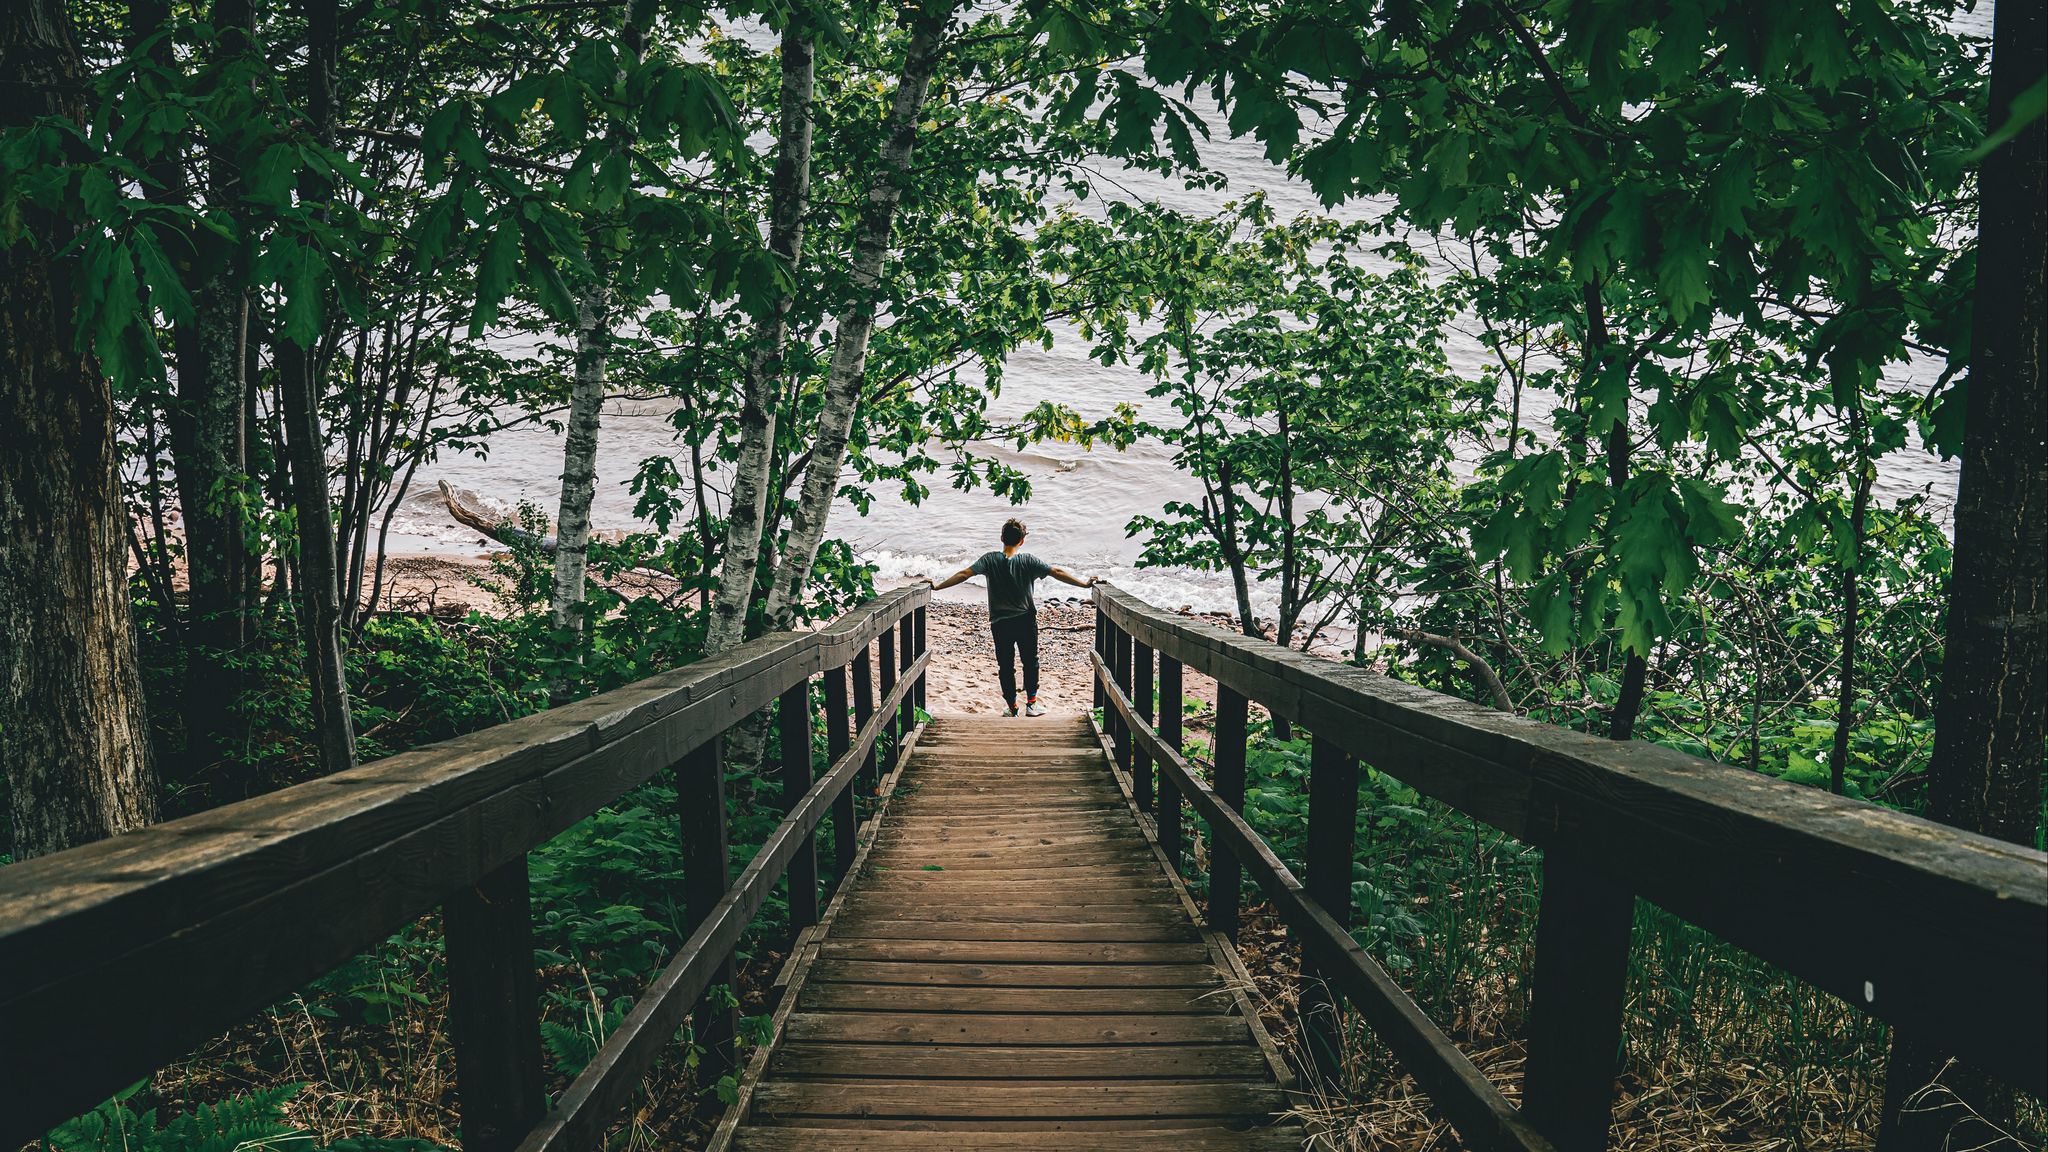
{"x": 1066, "y": 577}
{"x": 949, "y": 581}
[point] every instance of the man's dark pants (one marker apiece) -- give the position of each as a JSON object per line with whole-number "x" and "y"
{"x": 1016, "y": 636}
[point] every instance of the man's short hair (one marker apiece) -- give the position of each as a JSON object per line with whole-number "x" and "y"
{"x": 1013, "y": 532}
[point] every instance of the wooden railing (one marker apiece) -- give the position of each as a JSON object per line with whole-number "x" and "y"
{"x": 1939, "y": 932}
{"x": 119, "y": 957}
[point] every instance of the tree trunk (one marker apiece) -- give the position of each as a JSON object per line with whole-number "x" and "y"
{"x": 1985, "y": 772}
{"x": 579, "y": 478}
{"x": 1852, "y": 609}
{"x": 209, "y": 447}
{"x": 74, "y": 730}
{"x": 848, "y": 371}
{"x": 586, "y": 404}
{"x": 789, "y": 198}
{"x": 1628, "y": 703}
{"x": 300, "y": 380}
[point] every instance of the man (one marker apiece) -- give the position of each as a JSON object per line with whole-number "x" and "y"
{"x": 1012, "y": 613}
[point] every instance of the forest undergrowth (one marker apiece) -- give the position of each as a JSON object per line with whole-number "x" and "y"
{"x": 1722, "y": 1050}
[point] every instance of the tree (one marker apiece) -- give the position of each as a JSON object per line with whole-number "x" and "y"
{"x": 74, "y": 732}
{"x": 1309, "y": 397}
{"x": 1639, "y": 179}
{"x": 789, "y": 198}
{"x": 1992, "y": 718}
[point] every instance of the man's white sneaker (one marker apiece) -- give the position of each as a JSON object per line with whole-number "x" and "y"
{"x": 1010, "y": 710}
{"x": 1034, "y": 709}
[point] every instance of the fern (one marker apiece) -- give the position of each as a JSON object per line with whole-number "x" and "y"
{"x": 247, "y": 1123}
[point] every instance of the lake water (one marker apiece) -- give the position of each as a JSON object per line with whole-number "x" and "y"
{"x": 1081, "y": 500}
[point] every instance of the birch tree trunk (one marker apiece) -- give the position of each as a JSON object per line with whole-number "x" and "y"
{"x": 586, "y": 403}
{"x": 848, "y": 370}
{"x": 74, "y": 732}
{"x": 579, "y": 474}
{"x": 789, "y": 198}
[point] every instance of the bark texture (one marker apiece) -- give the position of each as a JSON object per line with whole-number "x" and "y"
{"x": 789, "y": 197}
{"x": 586, "y": 405}
{"x": 300, "y": 380}
{"x": 74, "y": 733}
{"x": 579, "y": 466}
{"x": 848, "y": 371}
{"x": 1985, "y": 773}
{"x": 210, "y": 452}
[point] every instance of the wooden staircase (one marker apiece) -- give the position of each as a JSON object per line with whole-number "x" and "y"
{"x": 1012, "y": 968}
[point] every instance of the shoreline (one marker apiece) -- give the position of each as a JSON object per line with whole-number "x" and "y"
{"x": 962, "y": 674}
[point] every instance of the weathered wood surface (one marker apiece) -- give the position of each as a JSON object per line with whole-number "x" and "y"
{"x": 1711, "y": 843}
{"x": 1484, "y": 1119}
{"x": 123, "y": 955}
{"x": 1011, "y": 970}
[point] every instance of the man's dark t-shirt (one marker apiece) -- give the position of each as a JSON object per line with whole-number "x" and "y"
{"x": 1009, "y": 582}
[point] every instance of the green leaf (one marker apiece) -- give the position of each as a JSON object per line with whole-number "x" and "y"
{"x": 2027, "y": 107}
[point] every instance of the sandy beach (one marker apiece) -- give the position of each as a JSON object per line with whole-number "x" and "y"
{"x": 963, "y": 664}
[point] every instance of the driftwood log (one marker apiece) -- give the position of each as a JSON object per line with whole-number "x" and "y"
{"x": 470, "y": 510}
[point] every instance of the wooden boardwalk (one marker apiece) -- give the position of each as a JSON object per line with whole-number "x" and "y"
{"x": 1012, "y": 968}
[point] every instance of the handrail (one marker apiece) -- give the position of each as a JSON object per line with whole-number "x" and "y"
{"x": 121, "y": 955}
{"x": 1875, "y": 906}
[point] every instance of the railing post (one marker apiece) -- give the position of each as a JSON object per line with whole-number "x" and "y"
{"x": 795, "y": 716}
{"x": 1578, "y": 990}
{"x": 1332, "y": 828}
{"x": 1102, "y": 650}
{"x": 885, "y": 662}
{"x": 1225, "y": 873}
{"x": 845, "y": 819}
{"x": 906, "y": 654}
{"x": 1141, "y": 695}
{"x": 707, "y": 876}
{"x": 1169, "y": 735}
{"x": 921, "y": 651}
{"x": 494, "y": 1009}
{"x": 1121, "y": 673}
{"x": 864, "y": 709}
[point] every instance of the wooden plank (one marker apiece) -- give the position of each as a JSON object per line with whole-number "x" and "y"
{"x": 906, "y": 651}
{"x": 1042, "y": 1001}
{"x": 707, "y": 877}
{"x": 1024, "y": 1099}
{"x": 864, "y": 709}
{"x": 1708, "y": 842}
{"x": 1000, "y": 1029}
{"x": 1226, "y": 877}
{"x": 494, "y": 1009}
{"x": 1140, "y": 689}
{"x": 967, "y": 860}
{"x": 1170, "y": 700}
{"x": 1015, "y": 951}
{"x": 885, "y": 667}
{"x": 1025, "y": 913}
{"x": 918, "y": 635}
{"x": 1578, "y": 988}
{"x": 898, "y": 928}
{"x": 1194, "y": 1138}
{"x": 1012, "y": 885}
{"x": 798, "y": 973}
{"x": 845, "y": 818}
{"x": 793, "y": 723}
{"x": 1332, "y": 834}
{"x": 611, "y": 1079}
{"x": 1020, "y": 975}
{"x": 1476, "y": 1109}
{"x": 1093, "y": 1062}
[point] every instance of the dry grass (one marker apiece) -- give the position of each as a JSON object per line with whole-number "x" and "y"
{"x": 395, "y": 1078}
{"x": 1734, "y": 1064}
